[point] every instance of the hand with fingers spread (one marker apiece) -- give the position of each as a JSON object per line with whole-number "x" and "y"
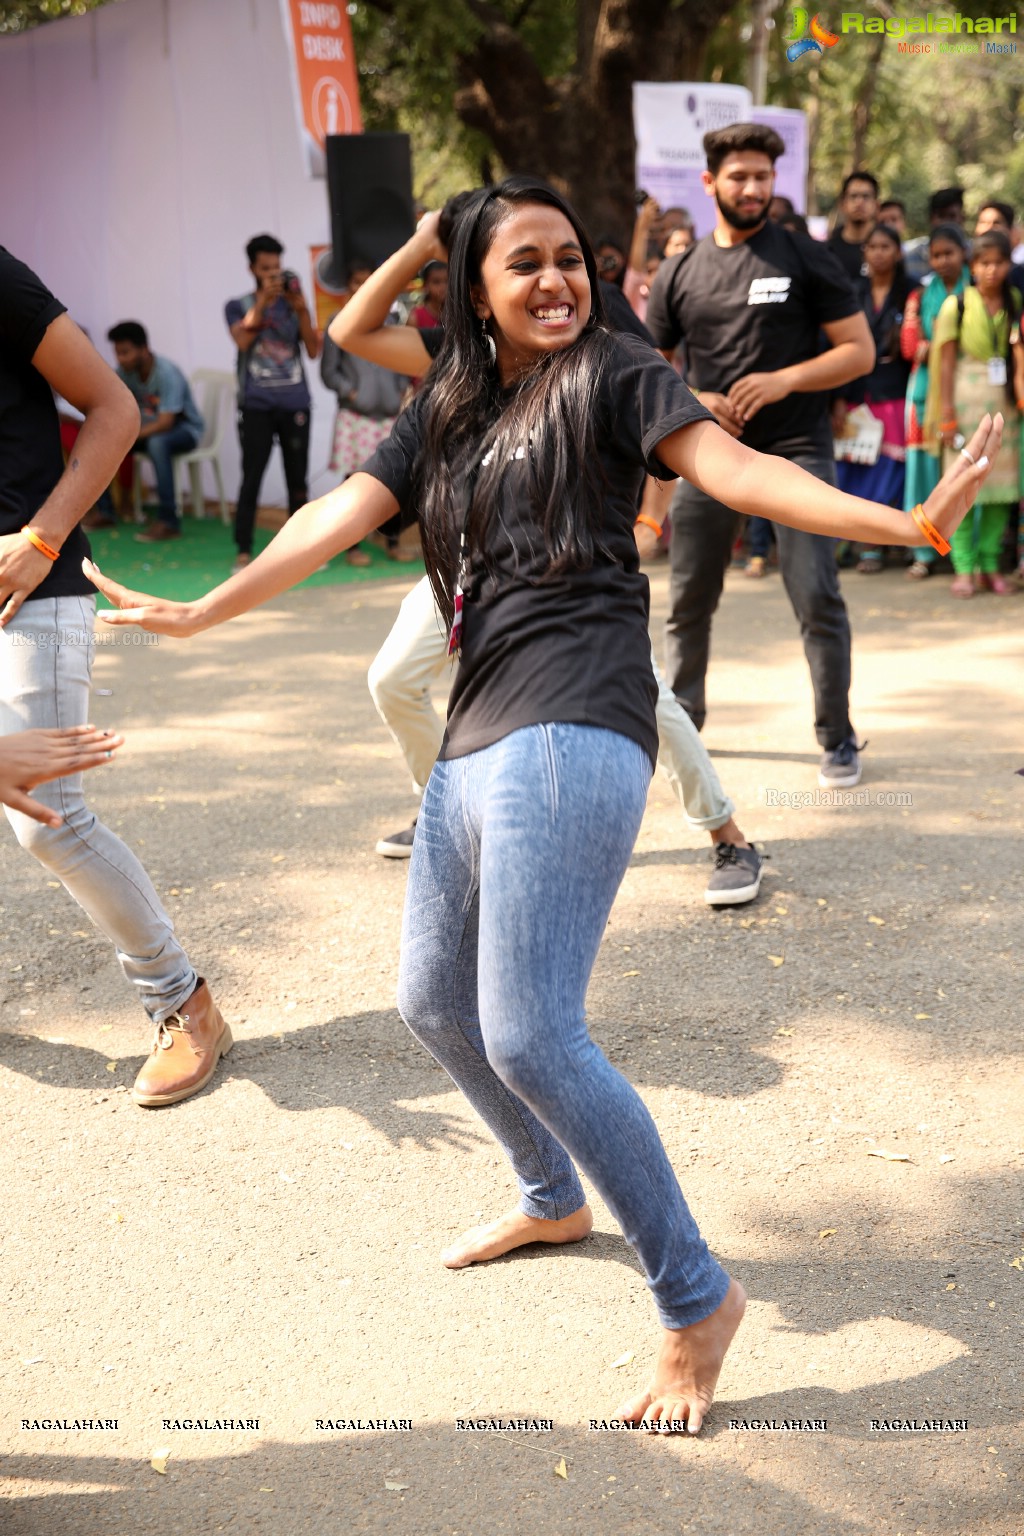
{"x": 957, "y": 491}
{"x": 157, "y": 615}
{"x": 28, "y": 758}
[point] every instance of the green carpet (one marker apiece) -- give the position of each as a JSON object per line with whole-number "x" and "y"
{"x": 188, "y": 567}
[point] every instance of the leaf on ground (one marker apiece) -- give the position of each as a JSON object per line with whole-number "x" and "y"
{"x": 785, "y": 1031}
{"x": 266, "y": 1490}
{"x": 951, "y": 1286}
{"x": 158, "y": 1460}
{"x": 111, "y": 1066}
{"x": 922, "y": 1015}
{"x": 946, "y": 1157}
{"x": 621, "y": 1361}
{"x": 891, "y": 1157}
{"x": 561, "y": 1470}
{"x": 1018, "y": 1263}
{"x": 782, "y": 911}
{"x": 629, "y": 973}
{"x": 827, "y": 1232}
{"x": 822, "y": 902}
{"x": 879, "y": 922}
{"x": 777, "y": 959}
{"x": 396, "y": 1487}
{"x": 278, "y": 858}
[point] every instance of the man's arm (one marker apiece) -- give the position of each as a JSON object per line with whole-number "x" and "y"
{"x": 71, "y": 365}
{"x": 307, "y": 330}
{"x": 163, "y": 422}
{"x": 851, "y": 355}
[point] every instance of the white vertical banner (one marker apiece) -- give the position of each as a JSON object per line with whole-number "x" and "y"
{"x": 790, "y": 123}
{"x": 670, "y": 121}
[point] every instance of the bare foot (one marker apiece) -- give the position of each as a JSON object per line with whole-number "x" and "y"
{"x": 512, "y": 1231}
{"x": 688, "y": 1365}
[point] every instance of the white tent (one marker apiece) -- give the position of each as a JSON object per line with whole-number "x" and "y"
{"x": 142, "y": 146}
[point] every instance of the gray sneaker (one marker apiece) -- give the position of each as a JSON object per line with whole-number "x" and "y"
{"x": 840, "y": 768}
{"x": 736, "y": 877}
{"x": 399, "y": 844}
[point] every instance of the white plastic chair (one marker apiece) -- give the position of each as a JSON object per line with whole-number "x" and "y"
{"x": 214, "y": 391}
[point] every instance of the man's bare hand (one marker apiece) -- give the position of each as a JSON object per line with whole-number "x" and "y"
{"x": 723, "y": 410}
{"x": 22, "y": 568}
{"x": 748, "y": 396}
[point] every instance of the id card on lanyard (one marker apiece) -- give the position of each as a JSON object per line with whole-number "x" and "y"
{"x": 462, "y": 569}
{"x": 997, "y": 360}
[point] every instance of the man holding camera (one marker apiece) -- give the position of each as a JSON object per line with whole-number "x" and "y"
{"x": 270, "y": 327}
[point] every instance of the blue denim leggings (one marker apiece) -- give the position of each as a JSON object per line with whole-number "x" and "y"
{"x": 520, "y": 849}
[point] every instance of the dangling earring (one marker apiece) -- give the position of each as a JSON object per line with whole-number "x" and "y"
{"x": 492, "y": 351}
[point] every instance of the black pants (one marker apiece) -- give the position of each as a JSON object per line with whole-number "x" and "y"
{"x": 257, "y": 430}
{"x": 703, "y": 533}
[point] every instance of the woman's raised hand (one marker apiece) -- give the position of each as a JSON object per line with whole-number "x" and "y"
{"x": 155, "y": 614}
{"x": 955, "y": 493}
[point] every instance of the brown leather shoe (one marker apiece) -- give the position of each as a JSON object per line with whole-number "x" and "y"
{"x": 157, "y": 533}
{"x": 186, "y": 1049}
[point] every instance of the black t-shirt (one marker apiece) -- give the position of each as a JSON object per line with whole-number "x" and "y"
{"x": 575, "y": 649}
{"x": 755, "y": 307}
{"x": 849, "y": 255}
{"x": 31, "y": 461}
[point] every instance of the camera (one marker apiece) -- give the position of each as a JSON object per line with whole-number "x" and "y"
{"x": 289, "y": 281}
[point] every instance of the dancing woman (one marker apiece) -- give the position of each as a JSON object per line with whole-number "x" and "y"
{"x": 523, "y": 455}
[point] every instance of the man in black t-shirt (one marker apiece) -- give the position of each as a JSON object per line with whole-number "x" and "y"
{"x": 858, "y": 207}
{"x": 750, "y": 301}
{"x": 47, "y": 606}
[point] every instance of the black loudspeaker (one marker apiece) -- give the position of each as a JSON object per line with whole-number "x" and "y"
{"x": 369, "y": 183}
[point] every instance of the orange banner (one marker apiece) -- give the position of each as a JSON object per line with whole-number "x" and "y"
{"x": 326, "y": 84}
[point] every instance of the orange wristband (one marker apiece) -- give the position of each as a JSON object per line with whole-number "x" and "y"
{"x": 929, "y": 530}
{"x": 642, "y": 517}
{"x": 40, "y": 544}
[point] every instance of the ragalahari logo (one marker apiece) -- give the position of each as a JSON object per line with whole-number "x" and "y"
{"x": 820, "y": 38}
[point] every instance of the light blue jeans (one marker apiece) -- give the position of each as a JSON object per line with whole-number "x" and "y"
{"x": 519, "y": 852}
{"x": 45, "y": 671}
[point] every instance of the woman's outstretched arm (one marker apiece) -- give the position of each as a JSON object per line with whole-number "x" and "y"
{"x": 316, "y": 532}
{"x": 764, "y": 486}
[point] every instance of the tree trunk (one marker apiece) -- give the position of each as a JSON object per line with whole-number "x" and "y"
{"x": 577, "y": 132}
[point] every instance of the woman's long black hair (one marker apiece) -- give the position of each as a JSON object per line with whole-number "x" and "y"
{"x": 466, "y": 417}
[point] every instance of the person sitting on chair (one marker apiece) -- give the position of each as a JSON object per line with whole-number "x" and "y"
{"x": 171, "y": 423}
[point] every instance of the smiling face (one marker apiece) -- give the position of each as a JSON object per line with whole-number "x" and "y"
{"x": 742, "y": 187}
{"x": 534, "y": 292}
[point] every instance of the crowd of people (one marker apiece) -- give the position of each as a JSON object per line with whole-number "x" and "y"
{"x": 901, "y": 284}
{"x": 535, "y": 458}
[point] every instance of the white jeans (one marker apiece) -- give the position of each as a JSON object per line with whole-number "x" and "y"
{"x": 415, "y": 655}
{"x": 45, "y": 672}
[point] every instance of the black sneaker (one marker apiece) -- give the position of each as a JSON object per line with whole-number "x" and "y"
{"x": 399, "y": 844}
{"x": 736, "y": 877}
{"x": 840, "y": 768}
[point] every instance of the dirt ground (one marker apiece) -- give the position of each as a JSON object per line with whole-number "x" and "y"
{"x": 268, "y": 1251}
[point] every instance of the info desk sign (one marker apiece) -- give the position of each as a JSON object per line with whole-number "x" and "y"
{"x": 323, "y": 75}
